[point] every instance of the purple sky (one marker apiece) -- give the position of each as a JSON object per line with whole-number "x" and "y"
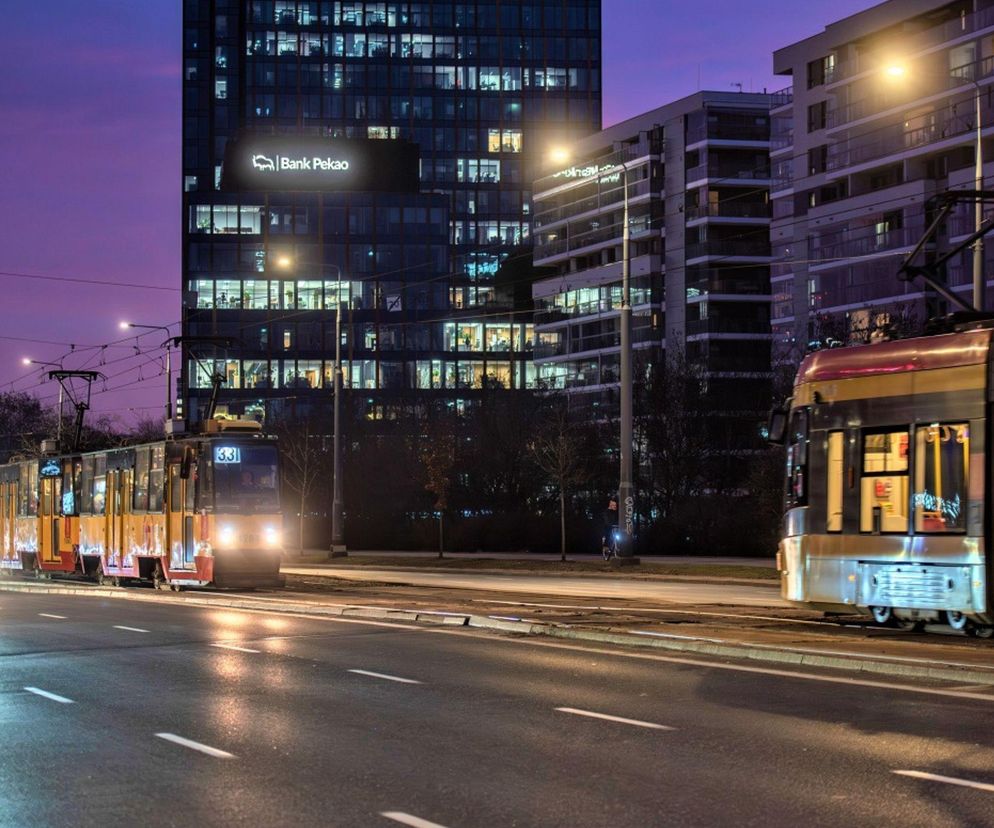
{"x": 90, "y": 146}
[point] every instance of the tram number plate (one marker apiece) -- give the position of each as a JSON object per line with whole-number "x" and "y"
{"x": 227, "y": 454}
{"x": 249, "y": 538}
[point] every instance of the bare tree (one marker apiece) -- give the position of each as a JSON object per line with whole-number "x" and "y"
{"x": 559, "y": 451}
{"x": 438, "y": 459}
{"x": 304, "y": 461}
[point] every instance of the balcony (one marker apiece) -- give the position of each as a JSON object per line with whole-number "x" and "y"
{"x": 863, "y": 242}
{"x": 602, "y": 201}
{"x": 603, "y": 235}
{"x": 728, "y": 209}
{"x": 874, "y": 104}
{"x": 726, "y": 171}
{"x": 729, "y": 248}
{"x": 895, "y": 140}
{"x": 727, "y": 326}
{"x": 782, "y": 97}
{"x": 589, "y": 168}
{"x": 917, "y": 41}
{"x": 738, "y": 129}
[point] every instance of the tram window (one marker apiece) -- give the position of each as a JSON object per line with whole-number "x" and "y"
{"x": 797, "y": 459}
{"x": 884, "y": 485}
{"x": 155, "y": 478}
{"x": 836, "y": 474}
{"x": 99, "y": 503}
{"x": 942, "y": 465}
{"x": 86, "y": 487}
{"x": 28, "y": 505}
{"x": 140, "y": 500}
{"x": 174, "y": 489}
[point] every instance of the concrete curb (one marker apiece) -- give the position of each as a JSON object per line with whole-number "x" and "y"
{"x": 798, "y": 657}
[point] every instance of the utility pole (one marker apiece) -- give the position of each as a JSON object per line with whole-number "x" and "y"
{"x": 337, "y": 534}
{"x": 978, "y": 214}
{"x": 626, "y": 494}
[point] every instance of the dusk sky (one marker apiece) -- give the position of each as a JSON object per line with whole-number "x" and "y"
{"x": 90, "y": 144}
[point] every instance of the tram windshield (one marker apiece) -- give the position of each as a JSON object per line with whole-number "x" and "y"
{"x": 246, "y": 479}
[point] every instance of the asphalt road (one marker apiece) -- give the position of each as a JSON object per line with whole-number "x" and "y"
{"x": 114, "y": 712}
{"x": 762, "y": 594}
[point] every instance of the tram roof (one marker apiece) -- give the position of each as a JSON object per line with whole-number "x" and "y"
{"x": 897, "y": 357}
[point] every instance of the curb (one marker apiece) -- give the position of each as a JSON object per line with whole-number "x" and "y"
{"x": 850, "y": 662}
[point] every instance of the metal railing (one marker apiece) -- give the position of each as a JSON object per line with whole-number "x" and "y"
{"x": 728, "y": 209}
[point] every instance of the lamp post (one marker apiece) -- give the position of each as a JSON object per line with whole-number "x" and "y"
{"x": 626, "y": 493}
{"x": 338, "y": 549}
{"x": 169, "y": 368}
{"x": 626, "y": 496}
{"x": 58, "y": 427}
{"x": 899, "y": 71}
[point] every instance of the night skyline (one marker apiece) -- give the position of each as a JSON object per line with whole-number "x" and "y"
{"x": 92, "y": 137}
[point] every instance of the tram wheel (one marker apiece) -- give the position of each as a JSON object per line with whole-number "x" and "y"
{"x": 882, "y": 615}
{"x": 980, "y": 631}
{"x": 40, "y": 574}
{"x": 159, "y": 579}
{"x": 956, "y": 620}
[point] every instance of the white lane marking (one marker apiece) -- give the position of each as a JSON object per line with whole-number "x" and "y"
{"x": 49, "y": 615}
{"x": 608, "y": 718}
{"x": 949, "y": 780}
{"x": 189, "y": 743}
{"x": 129, "y": 629}
{"x": 52, "y": 696}
{"x": 385, "y": 676}
{"x": 233, "y": 647}
{"x": 409, "y": 819}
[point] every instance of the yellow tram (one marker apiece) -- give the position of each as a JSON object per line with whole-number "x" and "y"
{"x": 200, "y": 510}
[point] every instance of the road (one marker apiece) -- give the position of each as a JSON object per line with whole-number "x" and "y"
{"x": 646, "y": 560}
{"x": 762, "y": 594}
{"x": 115, "y": 712}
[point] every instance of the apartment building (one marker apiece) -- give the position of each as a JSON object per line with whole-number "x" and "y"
{"x": 880, "y": 118}
{"x": 697, "y": 173}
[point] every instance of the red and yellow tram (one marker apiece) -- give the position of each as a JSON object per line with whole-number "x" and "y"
{"x": 192, "y": 511}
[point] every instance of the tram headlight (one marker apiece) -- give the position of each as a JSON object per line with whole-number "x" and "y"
{"x": 226, "y": 535}
{"x": 273, "y": 536}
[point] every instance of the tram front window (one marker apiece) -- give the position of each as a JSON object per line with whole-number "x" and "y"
{"x": 246, "y": 479}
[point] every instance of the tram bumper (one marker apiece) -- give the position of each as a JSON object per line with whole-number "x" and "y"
{"x": 248, "y": 568}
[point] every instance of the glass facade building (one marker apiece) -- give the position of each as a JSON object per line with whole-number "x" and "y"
{"x": 482, "y": 88}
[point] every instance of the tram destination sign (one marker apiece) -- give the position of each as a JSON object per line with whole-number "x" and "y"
{"x": 254, "y": 163}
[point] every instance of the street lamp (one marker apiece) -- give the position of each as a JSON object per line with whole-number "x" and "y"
{"x": 169, "y": 368}
{"x": 898, "y": 71}
{"x": 626, "y": 494}
{"x": 337, "y": 505}
{"x": 57, "y": 365}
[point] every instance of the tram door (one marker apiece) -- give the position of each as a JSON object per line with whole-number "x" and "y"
{"x": 48, "y": 540}
{"x": 180, "y": 520}
{"x": 7, "y": 499}
{"x": 113, "y": 521}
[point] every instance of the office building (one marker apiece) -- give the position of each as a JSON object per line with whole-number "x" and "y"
{"x": 480, "y": 89}
{"x": 880, "y": 118}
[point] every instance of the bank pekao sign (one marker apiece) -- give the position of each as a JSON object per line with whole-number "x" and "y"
{"x": 283, "y": 163}
{"x": 308, "y": 163}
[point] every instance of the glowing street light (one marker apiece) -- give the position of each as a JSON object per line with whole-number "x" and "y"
{"x": 559, "y": 155}
{"x": 899, "y": 71}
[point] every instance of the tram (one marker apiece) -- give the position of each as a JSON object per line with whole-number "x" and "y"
{"x": 888, "y": 502}
{"x": 200, "y": 510}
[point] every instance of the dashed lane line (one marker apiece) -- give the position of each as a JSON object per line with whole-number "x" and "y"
{"x": 50, "y": 696}
{"x": 385, "y": 677}
{"x": 948, "y": 780}
{"x": 129, "y": 629}
{"x": 198, "y": 746}
{"x": 50, "y": 615}
{"x": 608, "y": 718}
{"x": 236, "y": 648}
{"x": 409, "y": 819}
